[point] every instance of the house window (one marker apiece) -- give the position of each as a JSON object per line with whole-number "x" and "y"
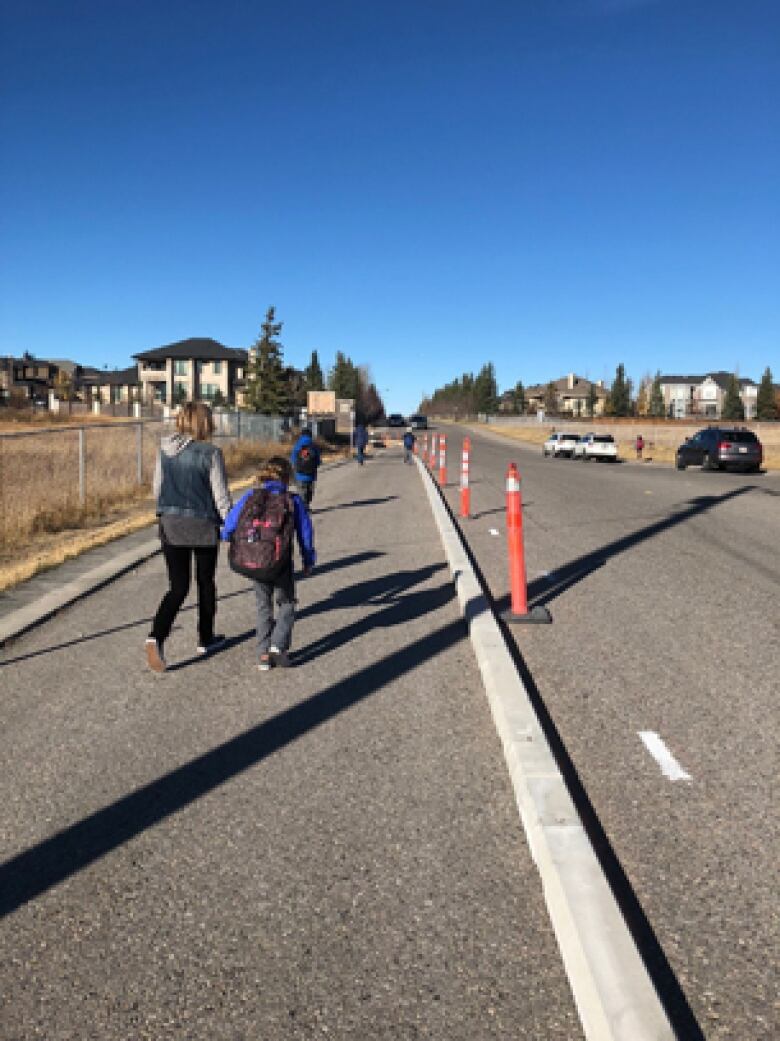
{"x": 216, "y": 367}
{"x": 180, "y": 368}
{"x": 207, "y": 391}
{"x": 180, "y": 391}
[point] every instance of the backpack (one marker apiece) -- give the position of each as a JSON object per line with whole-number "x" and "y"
{"x": 306, "y": 460}
{"x": 261, "y": 545}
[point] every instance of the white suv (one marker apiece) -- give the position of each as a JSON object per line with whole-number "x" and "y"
{"x": 561, "y": 443}
{"x": 550, "y": 446}
{"x": 596, "y": 446}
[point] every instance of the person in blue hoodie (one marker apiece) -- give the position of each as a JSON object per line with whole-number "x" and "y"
{"x": 305, "y": 459}
{"x": 274, "y": 634}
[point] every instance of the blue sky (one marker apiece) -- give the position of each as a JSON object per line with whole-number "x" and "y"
{"x": 553, "y": 185}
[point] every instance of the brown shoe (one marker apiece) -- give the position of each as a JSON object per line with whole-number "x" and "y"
{"x": 154, "y": 655}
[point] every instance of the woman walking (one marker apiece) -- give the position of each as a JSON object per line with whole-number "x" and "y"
{"x": 192, "y": 501}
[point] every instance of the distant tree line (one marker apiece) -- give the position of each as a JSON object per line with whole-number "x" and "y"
{"x": 278, "y": 389}
{"x": 470, "y": 395}
{"x": 467, "y": 396}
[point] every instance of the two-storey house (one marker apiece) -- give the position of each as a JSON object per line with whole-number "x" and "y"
{"x": 197, "y": 369}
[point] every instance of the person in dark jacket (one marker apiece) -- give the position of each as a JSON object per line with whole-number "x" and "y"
{"x": 274, "y": 635}
{"x": 192, "y": 500}
{"x": 409, "y": 440}
{"x": 305, "y": 459}
{"x": 360, "y": 437}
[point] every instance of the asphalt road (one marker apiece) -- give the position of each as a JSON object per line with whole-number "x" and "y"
{"x": 329, "y": 851}
{"x": 663, "y": 588}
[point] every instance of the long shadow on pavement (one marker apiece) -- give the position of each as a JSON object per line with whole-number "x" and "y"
{"x": 355, "y": 503}
{"x": 331, "y": 565}
{"x": 53, "y": 860}
{"x": 540, "y": 590}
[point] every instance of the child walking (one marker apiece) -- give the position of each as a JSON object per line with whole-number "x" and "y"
{"x": 260, "y": 530}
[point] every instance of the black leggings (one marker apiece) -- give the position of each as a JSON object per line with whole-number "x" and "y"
{"x": 178, "y": 561}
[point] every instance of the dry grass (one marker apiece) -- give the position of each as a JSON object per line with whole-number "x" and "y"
{"x": 661, "y": 440}
{"x": 15, "y": 420}
{"x": 41, "y": 522}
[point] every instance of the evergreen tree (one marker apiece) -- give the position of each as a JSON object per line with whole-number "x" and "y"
{"x": 766, "y": 405}
{"x": 313, "y": 374}
{"x": 732, "y": 403}
{"x": 619, "y": 400}
{"x": 267, "y": 388}
{"x": 593, "y": 398}
{"x": 486, "y": 389}
{"x": 344, "y": 377}
{"x": 370, "y": 407}
{"x": 657, "y": 406}
{"x": 550, "y": 399}
{"x": 520, "y": 399}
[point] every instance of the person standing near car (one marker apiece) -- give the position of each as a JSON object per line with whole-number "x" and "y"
{"x": 192, "y": 500}
{"x": 360, "y": 437}
{"x": 305, "y": 459}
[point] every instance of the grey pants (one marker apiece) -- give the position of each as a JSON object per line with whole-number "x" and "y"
{"x": 276, "y": 632}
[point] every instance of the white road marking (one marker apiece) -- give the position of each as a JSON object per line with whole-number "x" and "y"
{"x": 656, "y": 747}
{"x": 494, "y": 531}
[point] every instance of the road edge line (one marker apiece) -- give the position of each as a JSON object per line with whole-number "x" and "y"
{"x": 613, "y": 992}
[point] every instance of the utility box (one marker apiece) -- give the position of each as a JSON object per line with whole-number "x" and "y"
{"x": 321, "y": 403}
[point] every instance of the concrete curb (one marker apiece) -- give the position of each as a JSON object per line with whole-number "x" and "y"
{"x": 613, "y": 992}
{"x": 24, "y": 618}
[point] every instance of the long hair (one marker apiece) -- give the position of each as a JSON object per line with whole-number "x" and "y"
{"x": 194, "y": 418}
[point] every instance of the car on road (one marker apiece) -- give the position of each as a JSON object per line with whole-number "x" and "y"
{"x": 418, "y": 422}
{"x": 396, "y": 420}
{"x": 596, "y": 446}
{"x": 721, "y": 448}
{"x": 550, "y": 446}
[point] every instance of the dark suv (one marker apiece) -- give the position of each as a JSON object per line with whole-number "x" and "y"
{"x": 717, "y": 448}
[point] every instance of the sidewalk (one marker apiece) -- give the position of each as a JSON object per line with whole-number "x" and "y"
{"x": 332, "y": 850}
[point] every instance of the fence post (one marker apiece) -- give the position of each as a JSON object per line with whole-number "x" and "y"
{"x": 139, "y": 452}
{"x": 82, "y": 468}
{"x": 465, "y": 490}
{"x": 442, "y": 461}
{"x": 517, "y": 576}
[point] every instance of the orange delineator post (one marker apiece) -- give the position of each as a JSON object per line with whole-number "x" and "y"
{"x": 432, "y": 456}
{"x": 442, "y": 460}
{"x": 465, "y": 490}
{"x": 514, "y": 533}
{"x": 424, "y": 452}
{"x": 517, "y": 578}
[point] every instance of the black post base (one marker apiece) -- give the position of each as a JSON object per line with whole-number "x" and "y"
{"x": 538, "y": 615}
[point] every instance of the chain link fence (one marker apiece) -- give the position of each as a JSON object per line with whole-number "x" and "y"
{"x": 58, "y": 478}
{"x": 50, "y": 479}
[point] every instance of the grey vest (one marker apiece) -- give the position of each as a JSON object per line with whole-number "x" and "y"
{"x": 186, "y": 483}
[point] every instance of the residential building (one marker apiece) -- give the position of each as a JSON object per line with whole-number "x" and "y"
{"x": 26, "y": 378}
{"x": 572, "y": 395}
{"x": 109, "y": 386}
{"x": 197, "y": 369}
{"x": 703, "y": 396}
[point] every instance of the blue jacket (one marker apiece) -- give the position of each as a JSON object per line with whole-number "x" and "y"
{"x": 301, "y": 519}
{"x": 409, "y": 440}
{"x": 360, "y": 436}
{"x": 305, "y": 439}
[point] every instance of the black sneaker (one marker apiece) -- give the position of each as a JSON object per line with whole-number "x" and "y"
{"x": 281, "y": 659}
{"x": 214, "y": 644}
